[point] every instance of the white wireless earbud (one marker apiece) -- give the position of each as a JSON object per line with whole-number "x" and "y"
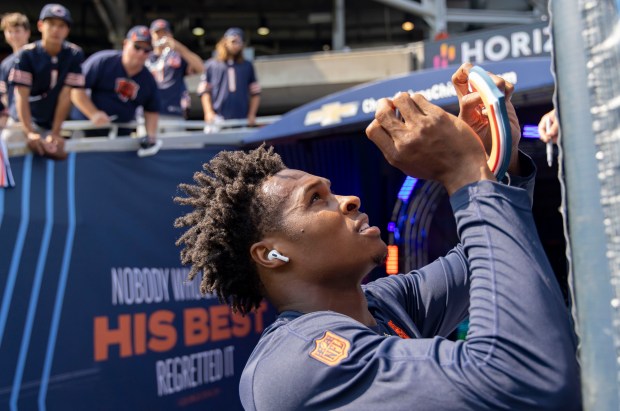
{"x": 274, "y": 254}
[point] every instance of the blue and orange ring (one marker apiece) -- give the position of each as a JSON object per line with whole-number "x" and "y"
{"x": 495, "y": 103}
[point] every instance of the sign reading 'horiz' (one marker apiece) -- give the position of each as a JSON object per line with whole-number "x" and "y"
{"x": 531, "y": 40}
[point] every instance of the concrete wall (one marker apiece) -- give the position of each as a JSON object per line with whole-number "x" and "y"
{"x": 292, "y": 80}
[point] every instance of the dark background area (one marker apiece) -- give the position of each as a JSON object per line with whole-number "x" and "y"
{"x": 298, "y": 26}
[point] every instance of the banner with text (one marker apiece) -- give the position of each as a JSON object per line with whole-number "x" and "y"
{"x": 514, "y": 42}
{"x": 354, "y": 108}
{"x": 96, "y": 311}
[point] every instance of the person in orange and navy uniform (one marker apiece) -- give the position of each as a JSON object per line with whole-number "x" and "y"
{"x": 119, "y": 83}
{"x": 229, "y": 88}
{"x": 258, "y": 230}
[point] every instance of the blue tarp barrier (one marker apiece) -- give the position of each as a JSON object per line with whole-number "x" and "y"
{"x": 355, "y": 107}
{"x": 95, "y": 311}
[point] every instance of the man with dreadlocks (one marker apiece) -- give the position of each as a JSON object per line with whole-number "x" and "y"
{"x": 259, "y": 229}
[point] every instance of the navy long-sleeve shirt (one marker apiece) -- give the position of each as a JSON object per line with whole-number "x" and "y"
{"x": 520, "y": 352}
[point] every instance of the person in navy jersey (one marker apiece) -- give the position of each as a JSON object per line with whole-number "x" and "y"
{"x": 169, "y": 63}
{"x": 119, "y": 83}
{"x": 43, "y": 75}
{"x": 16, "y": 29}
{"x": 228, "y": 88}
{"x": 283, "y": 235}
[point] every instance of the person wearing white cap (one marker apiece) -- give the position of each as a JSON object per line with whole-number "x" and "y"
{"x": 228, "y": 88}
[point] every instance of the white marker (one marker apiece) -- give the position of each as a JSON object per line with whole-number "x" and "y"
{"x": 549, "y": 143}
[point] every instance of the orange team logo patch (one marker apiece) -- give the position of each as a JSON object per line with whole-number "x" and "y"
{"x": 331, "y": 349}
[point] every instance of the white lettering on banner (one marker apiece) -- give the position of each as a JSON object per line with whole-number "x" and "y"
{"x": 510, "y": 76}
{"x": 521, "y": 44}
{"x": 537, "y": 41}
{"x": 467, "y": 53}
{"x": 500, "y": 47}
{"x": 139, "y": 285}
{"x": 369, "y": 105}
{"x": 189, "y": 371}
{"x": 183, "y": 289}
{"x": 132, "y": 285}
{"x": 497, "y": 48}
{"x": 435, "y": 92}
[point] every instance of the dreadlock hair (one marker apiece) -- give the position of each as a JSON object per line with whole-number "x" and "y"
{"x": 230, "y": 213}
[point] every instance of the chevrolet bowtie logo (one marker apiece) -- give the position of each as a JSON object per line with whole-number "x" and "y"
{"x": 331, "y": 113}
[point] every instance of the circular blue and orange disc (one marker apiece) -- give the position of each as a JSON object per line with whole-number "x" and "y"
{"x": 495, "y": 104}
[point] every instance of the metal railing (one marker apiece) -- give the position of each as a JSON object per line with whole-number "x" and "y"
{"x": 173, "y": 133}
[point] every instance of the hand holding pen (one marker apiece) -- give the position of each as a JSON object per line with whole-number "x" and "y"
{"x": 548, "y": 128}
{"x": 549, "y": 145}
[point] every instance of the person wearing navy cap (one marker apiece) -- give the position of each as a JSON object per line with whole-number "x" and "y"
{"x": 119, "y": 83}
{"x": 228, "y": 88}
{"x": 56, "y": 11}
{"x": 45, "y": 73}
{"x": 169, "y": 63}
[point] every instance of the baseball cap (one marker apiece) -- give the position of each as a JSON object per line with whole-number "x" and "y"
{"x": 139, "y": 33}
{"x": 234, "y": 31}
{"x": 56, "y": 11}
{"x": 160, "y": 24}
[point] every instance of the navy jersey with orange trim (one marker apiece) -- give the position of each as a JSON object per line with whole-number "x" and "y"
{"x": 6, "y": 89}
{"x": 520, "y": 352}
{"x": 230, "y": 85}
{"x": 169, "y": 71}
{"x": 45, "y": 76}
{"x": 116, "y": 93}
